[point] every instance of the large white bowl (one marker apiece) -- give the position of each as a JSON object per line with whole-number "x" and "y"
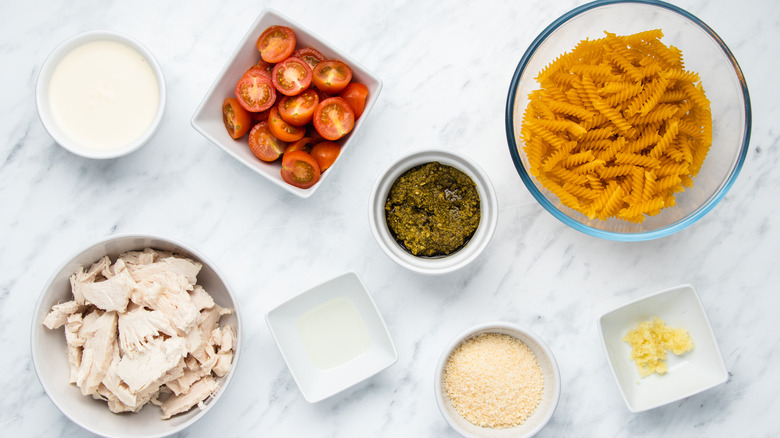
{"x": 429, "y": 265}
{"x": 207, "y": 119}
{"x": 49, "y": 348}
{"x": 550, "y": 396}
{"x": 42, "y": 93}
{"x": 703, "y": 52}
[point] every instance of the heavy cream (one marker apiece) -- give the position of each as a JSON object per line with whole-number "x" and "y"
{"x": 103, "y": 95}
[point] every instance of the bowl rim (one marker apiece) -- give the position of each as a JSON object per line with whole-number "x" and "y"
{"x": 238, "y": 341}
{"x": 495, "y": 327}
{"x": 50, "y": 64}
{"x": 457, "y": 260}
{"x": 611, "y": 235}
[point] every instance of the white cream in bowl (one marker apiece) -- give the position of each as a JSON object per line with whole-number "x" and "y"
{"x": 101, "y": 94}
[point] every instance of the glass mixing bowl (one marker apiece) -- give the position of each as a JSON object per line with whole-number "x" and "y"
{"x": 703, "y": 52}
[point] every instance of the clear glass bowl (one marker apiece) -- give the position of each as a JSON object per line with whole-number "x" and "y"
{"x": 703, "y": 52}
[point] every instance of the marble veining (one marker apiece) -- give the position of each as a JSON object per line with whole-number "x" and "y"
{"x": 446, "y": 67}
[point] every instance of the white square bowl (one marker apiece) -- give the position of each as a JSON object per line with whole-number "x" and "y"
{"x": 316, "y": 383}
{"x": 690, "y": 373}
{"x": 208, "y": 117}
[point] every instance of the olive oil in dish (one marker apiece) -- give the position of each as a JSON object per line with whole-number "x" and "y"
{"x": 333, "y": 333}
{"x": 104, "y": 95}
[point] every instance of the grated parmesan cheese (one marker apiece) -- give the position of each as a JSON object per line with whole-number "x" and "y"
{"x": 494, "y": 380}
{"x": 650, "y": 341}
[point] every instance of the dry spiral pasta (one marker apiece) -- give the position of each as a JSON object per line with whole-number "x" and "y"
{"x": 618, "y": 126}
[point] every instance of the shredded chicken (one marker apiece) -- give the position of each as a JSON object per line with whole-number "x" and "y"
{"x": 139, "y": 327}
{"x": 201, "y": 390}
{"x": 59, "y": 314}
{"x": 142, "y": 330}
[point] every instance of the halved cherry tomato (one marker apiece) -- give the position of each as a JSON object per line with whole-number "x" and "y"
{"x": 312, "y": 133}
{"x": 300, "y": 169}
{"x": 291, "y": 76}
{"x": 283, "y": 130}
{"x": 256, "y": 70}
{"x": 263, "y": 144}
{"x": 333, "y": 118}
{"x": 355, "y": 94}
{"x": 323, "y": 95}
{"x": 255, "y": 92}
{"x": 237, "y": 120}
{"x": 311, "y": 56}
{"x": 332, "y": 76}
{"x": 298, "y": 110}
{"x": 276, "y": 43}
{"x": 325, "y": 153}
{"x": 305, "y": 144}
{"x": 265, "y": 66}
{"x": 262, "y": 116}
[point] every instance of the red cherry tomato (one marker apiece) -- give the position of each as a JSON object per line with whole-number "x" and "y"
{"x": 276, "y": 43}
{"x": 325, "y": 153}
{"x": 323, "y": 95}
{"x": 255, "y": 92}
{"x": 355, "y": 94}
{"x": 291, "y": 76}
{"x": 265, "y": 66}
{"x": 283, "y": 130}
{"x": 263, "y": 144}
{"x": 312, "y": 133}
{"x": 333, "y": 118}
{"x": 311, "y": 56}
{"x": 298, "y": 110}
{"x": 237, "y": 120}
{"x": 300, "y": 169}
{"x": 332, "y": 76}
{"x": 305, "y": 144}
{"x": 261, "y": 67}
{"x": 262, "y": 116}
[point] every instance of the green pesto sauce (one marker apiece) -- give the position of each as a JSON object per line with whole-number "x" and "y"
{"x": 433, "y": 209}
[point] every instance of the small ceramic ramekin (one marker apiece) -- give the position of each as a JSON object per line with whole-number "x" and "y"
{"x": 45, "y": 111}
{"x": 429, "y": 265}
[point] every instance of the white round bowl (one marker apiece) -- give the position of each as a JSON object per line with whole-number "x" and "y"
{"x": 427, "y": 265}
{"x": 44, "y": 80}
{"x": 49, "y": 347}
{"x": 550, "y": 396}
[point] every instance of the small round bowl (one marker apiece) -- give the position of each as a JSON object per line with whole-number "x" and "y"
{"x": 703, "y": 52}
{"x": 427, "y": 265}
{"x": 49, "y": 347}
{"x": 44, "y": 108}
{"x": 550, "y": 396}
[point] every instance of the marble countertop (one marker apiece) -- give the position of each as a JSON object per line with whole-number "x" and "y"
{"x": 446, "y": 67}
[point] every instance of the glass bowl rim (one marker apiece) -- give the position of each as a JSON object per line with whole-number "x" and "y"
{"x": 579, "y": 226}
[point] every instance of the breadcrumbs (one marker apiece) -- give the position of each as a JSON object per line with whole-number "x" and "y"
{"x": 650, "y": 341}
{"x": 494, "y": 380}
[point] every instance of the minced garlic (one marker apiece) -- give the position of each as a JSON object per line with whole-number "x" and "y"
{"x": 494, "y": 380}
{"x": 650, "y": 341}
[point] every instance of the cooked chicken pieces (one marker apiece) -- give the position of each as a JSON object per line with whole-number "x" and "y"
{"x": 199, "y": 392}
{"x": 142, "y": 330}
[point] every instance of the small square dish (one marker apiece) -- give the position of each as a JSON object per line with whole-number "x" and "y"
{"x": 331, "y": 337}
{"x": 689, "y": 373}
{"x": 207, "y": 119}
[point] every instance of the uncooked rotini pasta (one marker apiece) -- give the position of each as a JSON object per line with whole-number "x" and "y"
{"x": 618, "y": 126}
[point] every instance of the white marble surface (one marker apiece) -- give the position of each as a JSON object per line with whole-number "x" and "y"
{"x": 446, "y": 67}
